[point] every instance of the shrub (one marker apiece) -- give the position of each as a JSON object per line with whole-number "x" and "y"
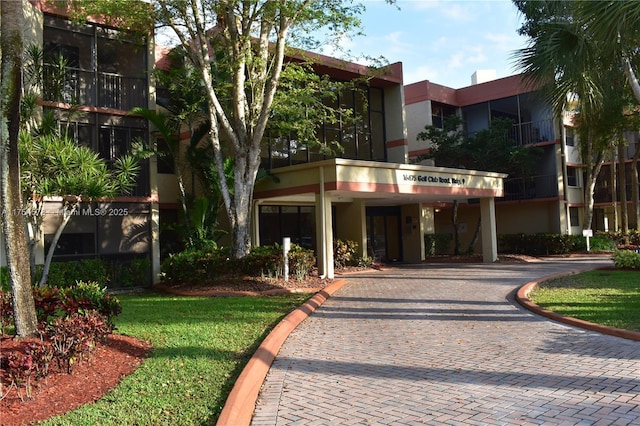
{"x": 264, "y": 260}
{"x": 435, "y": 244}
{"x": 4, "y": 278}
{"x": 200, "y": 266}
{"x": 132, "y": 273}
{"x": 6, "y": 311}
{"x": 600, "y": 242}
{"x": 65, "y": 274}
{"x": 537, "y": 244}
{"x": 626, "y": 259}
{"x": 345, "y": 253}
{"x": 74, "y": 337}
{"x": 89, "y": 296}
{"x": 196, "y": 265}
{"x": 621, "y": 239}
{"x": 301, "y": 261}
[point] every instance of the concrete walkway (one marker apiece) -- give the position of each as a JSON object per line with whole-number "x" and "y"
{"x": 446, "y": 344}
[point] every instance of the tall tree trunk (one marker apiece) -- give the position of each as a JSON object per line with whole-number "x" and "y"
{"x": 614, "y": 190}
{"x": 476, "y": 235}
{"x": 635, "y": 191}
{"x": 456, "y": 230}
{"x": 622, "y": 184}
{"x": 13, "y": 223}
{"x": 594, "y": 160}
{"x": 67, "y": 214}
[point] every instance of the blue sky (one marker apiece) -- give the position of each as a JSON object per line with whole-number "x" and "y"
{"x": 443, "y": 41}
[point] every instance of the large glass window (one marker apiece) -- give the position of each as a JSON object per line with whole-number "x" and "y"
{"x": 295, "y": 222}
{"x": 361, "y": 139}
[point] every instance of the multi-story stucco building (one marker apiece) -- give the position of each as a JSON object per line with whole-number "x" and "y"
{"x": 107, "y": 73}
{"x": 372, "y": 192}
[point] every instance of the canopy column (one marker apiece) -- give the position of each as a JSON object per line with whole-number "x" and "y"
{"x": 324, "y": 231}
{"x": 488, "y": 224}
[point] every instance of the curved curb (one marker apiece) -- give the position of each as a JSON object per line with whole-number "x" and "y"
{"x": 240, "y": 405}
{"x": 522, "y": 296}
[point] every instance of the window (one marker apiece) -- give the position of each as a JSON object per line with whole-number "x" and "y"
{"x": 72, "y": 244}
{"x": 295, "y": 222}
{"x": 574, "y": 216}
{"x": 569, "y": 136}
{"x": 572, "y": 176}
{"x": 439, "y": 113}
{"x": 362, "y": 139}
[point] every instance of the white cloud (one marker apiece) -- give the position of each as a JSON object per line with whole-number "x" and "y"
{"x": 421, "y": 73}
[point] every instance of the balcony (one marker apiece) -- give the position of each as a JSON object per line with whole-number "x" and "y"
{"x": 530, "y": 188}
{"x": 107, "y": 90}
{"x": 532, "y": 132}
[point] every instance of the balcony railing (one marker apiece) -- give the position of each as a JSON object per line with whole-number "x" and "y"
{"x": 108, "y": 90}
{"x": 533, "y": 132}
{"x": 603, "y": 194}
{"x": 530, "y": 188}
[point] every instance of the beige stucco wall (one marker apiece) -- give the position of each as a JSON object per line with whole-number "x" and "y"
{"x": 418, "y": 116}
{"x": 396, "y": 129}
{"x": 351, "y": 224}
{"x": 412, "y": 236}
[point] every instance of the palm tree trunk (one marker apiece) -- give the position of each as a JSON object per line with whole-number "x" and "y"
{"x": 622, "y": 184}
{"x": 635, "y": 191}
{"x": 614, "y": 190}
{"x": 13, "y": 223}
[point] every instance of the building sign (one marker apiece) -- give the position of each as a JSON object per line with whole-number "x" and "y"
{"x": 432, "y": 179}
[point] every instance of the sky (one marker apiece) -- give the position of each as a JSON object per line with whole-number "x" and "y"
{"x": 443, "y": 41}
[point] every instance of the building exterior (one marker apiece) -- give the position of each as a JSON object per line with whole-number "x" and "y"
{"x": 373, "y": 193}
{"x": 552, "y": 200}
{"x": 107, "y": 73}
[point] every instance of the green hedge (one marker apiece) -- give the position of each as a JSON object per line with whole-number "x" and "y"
{"x": 626, "y": 259}
{"x": 548, "y": 244}
{"x": 539, "y": 244}
{"x": 204, "y": 265}
{"x": 134, "y": 272}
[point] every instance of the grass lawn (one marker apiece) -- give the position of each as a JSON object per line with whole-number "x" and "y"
{"x": 608, "y": 297}
{"x": 200, "y": 347}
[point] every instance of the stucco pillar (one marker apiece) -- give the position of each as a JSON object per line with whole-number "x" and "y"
{"x": 324, "y": 231}
{"x": 489, "y": 238}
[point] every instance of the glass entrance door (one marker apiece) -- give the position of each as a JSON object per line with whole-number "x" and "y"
{"x": 384, "y": 238}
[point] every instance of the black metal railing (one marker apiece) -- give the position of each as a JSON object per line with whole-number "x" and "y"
{"x": 87, "y": 88}
{"x": 532, "y": 132}
{"x": 533, "y": 187}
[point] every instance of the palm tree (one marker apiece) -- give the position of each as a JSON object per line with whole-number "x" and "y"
{"x": 54, "y": 165}
{"x": 617, "y": 25}
{"x": 574, "y": 70}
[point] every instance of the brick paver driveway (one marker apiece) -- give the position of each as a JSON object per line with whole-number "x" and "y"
{"x": 446, "y": 344}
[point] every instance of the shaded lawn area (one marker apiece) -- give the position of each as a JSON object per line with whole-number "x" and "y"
{"x": 607, "y": 297}
{"x": 200, "y": 346}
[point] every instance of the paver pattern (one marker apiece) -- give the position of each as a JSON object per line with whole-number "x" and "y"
{"x": 447, "y": 345}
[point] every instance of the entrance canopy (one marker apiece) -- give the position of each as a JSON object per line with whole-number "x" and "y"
{"x": 377, "y": 184}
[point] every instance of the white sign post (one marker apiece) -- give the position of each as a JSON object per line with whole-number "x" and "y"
{"x": 587, "y": 233}
{"x": 286, "y": 246}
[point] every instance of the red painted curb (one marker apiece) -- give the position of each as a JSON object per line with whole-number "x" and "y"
{"x": 240, "y": 405}
{"x": 522, "y": 296}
